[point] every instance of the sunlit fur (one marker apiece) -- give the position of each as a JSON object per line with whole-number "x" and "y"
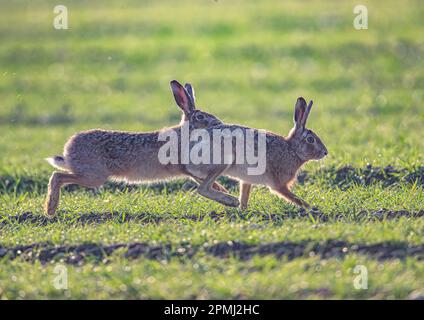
{"x": 284, "y": 157}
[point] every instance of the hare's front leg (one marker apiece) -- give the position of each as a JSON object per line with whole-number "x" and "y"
{"x": 244, "y": 194}
{"x": 285, "y": 193}
{"x": 206, "y": 189}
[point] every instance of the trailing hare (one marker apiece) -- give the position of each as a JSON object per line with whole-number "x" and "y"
{"x": 91, "y": 157}
{"x": 284, "y": 157}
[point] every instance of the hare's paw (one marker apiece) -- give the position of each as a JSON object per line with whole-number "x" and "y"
{"x": 242, "y": 206}
{"x": 230, "y": 201}
{"x": 50, "y": 209}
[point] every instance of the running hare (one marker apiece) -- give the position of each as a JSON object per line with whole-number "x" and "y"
{"x": 91, "y": 157}
{"x": 284, "y": 157}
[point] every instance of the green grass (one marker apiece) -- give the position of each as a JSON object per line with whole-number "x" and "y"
{"x": 248, "y": 62}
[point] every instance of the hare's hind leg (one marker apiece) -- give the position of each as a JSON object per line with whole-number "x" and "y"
{"x": 244, "y": 194}
{"x": 206, "y": 189}
{"x": 59, "y": 179}
{"x": 216, "y": 185}
{"x": 219, "y": 187}
{"x": 285, "y": 193}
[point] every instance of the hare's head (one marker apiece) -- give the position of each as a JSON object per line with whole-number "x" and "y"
{"x": 307, "y": 145}
{"x": 185, "y": 99}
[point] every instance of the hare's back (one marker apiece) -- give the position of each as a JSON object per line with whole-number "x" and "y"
{"x": 110, "y": 150}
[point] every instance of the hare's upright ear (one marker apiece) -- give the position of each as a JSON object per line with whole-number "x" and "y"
{"x": 306, "y": 115}
{"x": 182, "y": 98}
{"x": 190, "y": 91}
{"x": 299, "y": 112}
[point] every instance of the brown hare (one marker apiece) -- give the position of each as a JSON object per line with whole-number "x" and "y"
{"x": 92, "y": 157}
{"x": 284, "y": 157}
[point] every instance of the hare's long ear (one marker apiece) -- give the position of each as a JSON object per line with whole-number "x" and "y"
{"x": 299, "y": 112}
{"x": 182, "y": 98}
{"x": 306, "y": 115}
{"x": 190, "y": 91}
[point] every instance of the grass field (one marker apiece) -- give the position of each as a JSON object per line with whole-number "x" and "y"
{"x": 248, "y": 61}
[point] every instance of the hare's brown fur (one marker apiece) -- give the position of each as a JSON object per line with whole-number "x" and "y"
{"x": 284, "y": 157}
{"x": 91, "y": 157}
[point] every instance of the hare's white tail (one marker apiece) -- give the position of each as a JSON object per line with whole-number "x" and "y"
{"x": 58, "y": 162}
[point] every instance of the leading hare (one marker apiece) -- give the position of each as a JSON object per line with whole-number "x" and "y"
{"x": 284, "y": 157}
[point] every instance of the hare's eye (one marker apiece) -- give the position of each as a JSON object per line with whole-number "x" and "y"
{"x": 200, "y": 117}
{"x": 310, "y": 139}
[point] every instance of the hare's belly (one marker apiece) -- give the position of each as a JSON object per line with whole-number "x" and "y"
{"x": 146, "y": 173}
{"x": 240, "y": 172}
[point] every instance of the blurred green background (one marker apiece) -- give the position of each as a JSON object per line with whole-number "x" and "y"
{"x": 248, "y": 61}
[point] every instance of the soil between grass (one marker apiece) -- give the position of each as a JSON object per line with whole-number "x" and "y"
{"x": 78, "y": 254}
{"x": 144, "y": 218}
